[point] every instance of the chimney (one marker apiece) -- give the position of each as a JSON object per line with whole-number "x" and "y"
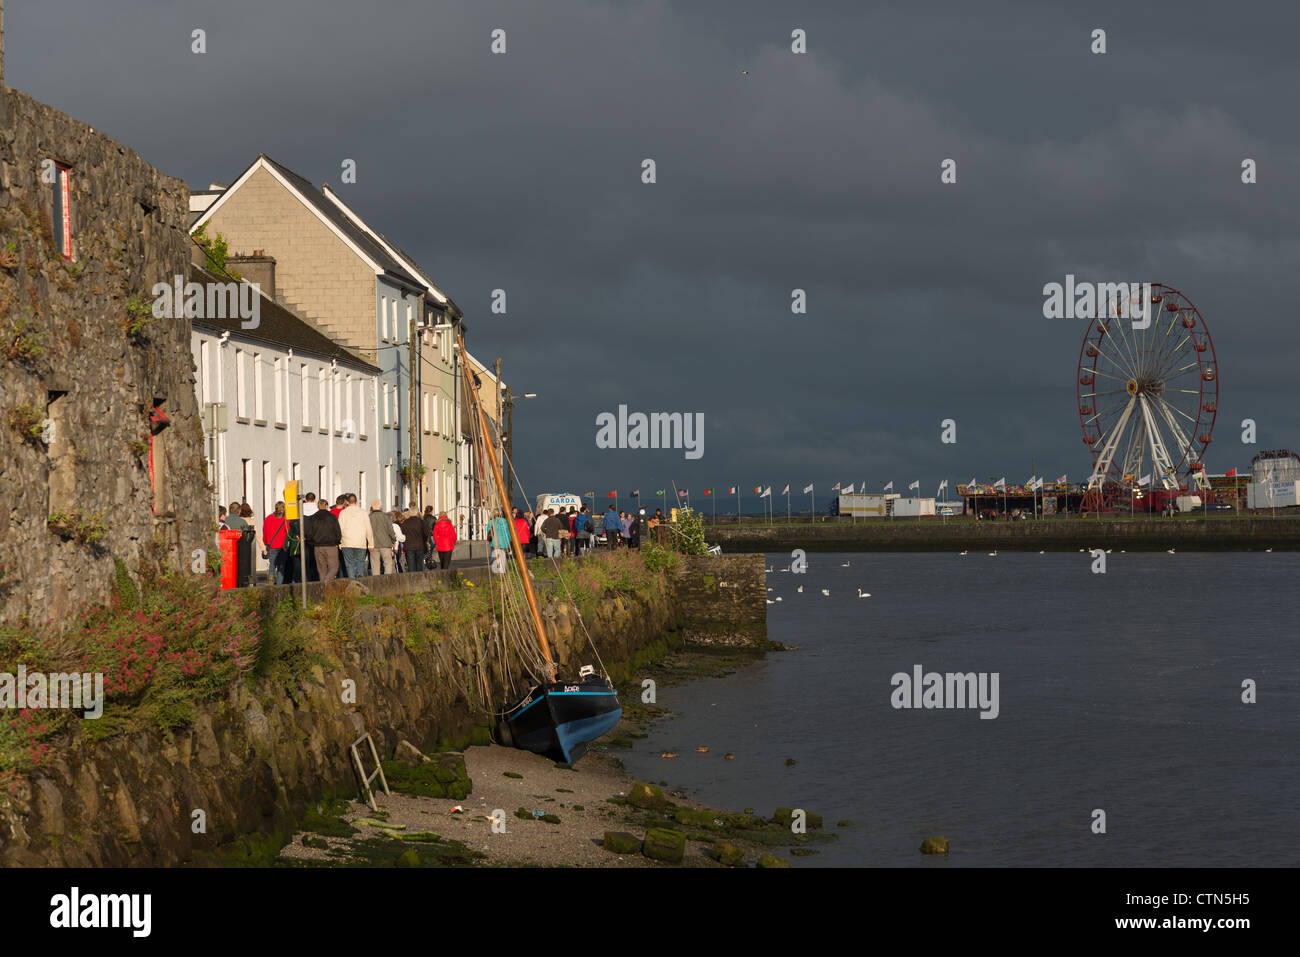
{"x": 258, "y": 268}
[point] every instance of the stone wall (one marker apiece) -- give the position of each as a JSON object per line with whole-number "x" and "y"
{"x": 255, "y": 762}
{"x": 77, "y": 388}
{"x": 900, "y": 535}
{"x": 723, "y": 600}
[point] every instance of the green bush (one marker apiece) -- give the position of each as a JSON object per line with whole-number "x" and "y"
{"x": 687, "y": 533}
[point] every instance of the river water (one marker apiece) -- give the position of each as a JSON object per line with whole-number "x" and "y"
{"x": 1119, "y": 691}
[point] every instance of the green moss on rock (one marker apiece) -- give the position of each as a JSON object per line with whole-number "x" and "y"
{"x": 444, "y": 777}
{"x": 662, "y": 844}
{"x": 647, "y": 797}
{"x": 768, "y": 861}
{"x": 785, "y": 817}
{"x": 620, "y": 842}
{"x": 727, "y": 854}
{"x": 934, "y": 845}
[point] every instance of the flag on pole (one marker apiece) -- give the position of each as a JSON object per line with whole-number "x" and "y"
{"x": 1231, "y": 473}
{"x": 786, "y": 490}
{"x": 613, "y": 494}
{"x": 766, "y": 492}
{"x": 972, "y": 481}
{"x": 708, "y": 491}
{"x": 636, "y": 493}
{"x": 659, "y": 491}
{"x": 915, "y": 485}
{"x": 591, "y": 494}
{"x": 1145, "y": 480}
{"x": 942, "y": 485}
{"x": 889, "y": 487}
{"x": 835, "y": 487}
{"x": 1001, "y": 483}
{"x": 1061, "y": 480}
{"x": 683, "y": 492}
{"x": 731, "y": 490}
{"x": 847, "y": 490}
{"x": 808, "y": 490}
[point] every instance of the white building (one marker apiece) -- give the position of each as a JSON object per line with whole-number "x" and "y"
{"x": 297, "y": 406}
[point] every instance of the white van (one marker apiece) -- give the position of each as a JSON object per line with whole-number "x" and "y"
{"x": 557, "y": 501}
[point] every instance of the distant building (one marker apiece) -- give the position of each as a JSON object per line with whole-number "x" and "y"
{"x": 297, "y": 406}
{"x": 352, "y": 285}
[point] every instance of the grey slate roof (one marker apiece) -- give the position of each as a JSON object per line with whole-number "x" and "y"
{"x": 279, "y": 326}
{"x": 392, "y": 268}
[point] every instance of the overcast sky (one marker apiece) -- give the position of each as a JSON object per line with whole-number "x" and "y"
{"x": 818, "y": 171}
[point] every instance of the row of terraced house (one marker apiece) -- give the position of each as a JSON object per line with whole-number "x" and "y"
{"x": 349, "y": 378}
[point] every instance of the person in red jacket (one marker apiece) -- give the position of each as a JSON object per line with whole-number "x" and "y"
{"x": 444, "y": 539}
{"x": 522, "y": 529}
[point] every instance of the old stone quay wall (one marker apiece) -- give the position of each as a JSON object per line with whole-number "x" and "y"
{"x": 84, "y": 366}
{"x": 255, "y": 761}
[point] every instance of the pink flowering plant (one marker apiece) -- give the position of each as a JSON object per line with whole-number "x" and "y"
{"x": 161, "y": 650}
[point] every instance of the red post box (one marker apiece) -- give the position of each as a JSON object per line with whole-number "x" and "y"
{"x": 229, "y": 542}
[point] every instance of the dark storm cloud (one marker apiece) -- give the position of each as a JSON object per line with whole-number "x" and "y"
{"x": 819, "y": 172}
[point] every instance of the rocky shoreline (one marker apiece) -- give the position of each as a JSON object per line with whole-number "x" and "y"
{"x": 491, "y": 806}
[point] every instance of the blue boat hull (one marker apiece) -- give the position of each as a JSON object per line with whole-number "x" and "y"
{"x": 560, "y": 719}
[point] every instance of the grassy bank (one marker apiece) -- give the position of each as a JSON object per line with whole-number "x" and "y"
{"x": 166, "y": 643}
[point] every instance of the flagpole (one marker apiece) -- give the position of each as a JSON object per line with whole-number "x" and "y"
{"x": 787, "y": 503}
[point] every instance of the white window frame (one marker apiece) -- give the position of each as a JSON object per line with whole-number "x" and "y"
{"x": 306, "y": 398}
{"x": 385, "y": 404}
{"x": 383, "y": 318}
{"x": 241, "y": 383}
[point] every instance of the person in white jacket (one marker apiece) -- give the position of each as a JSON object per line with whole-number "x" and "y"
{"x": 358, "y": 538}
{"x": 398, "y": 539}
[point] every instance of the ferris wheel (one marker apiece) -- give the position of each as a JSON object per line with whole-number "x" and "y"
{"x": 1148, "y": 394}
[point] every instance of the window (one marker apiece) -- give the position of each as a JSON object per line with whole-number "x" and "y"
{"x": 347, "y": 407}
{"x": 388, "y": 486}
{"x": 241, "y": 385}
{"x": 247, "y": 477}
{"x": 427, "y": 424}
{"x": 385, "y": 404}
{"x": 335, "y": 420}
{"x": 279, "y": 391}
{"x": 204, "y": 385}
{"x": 62, "y": 220}
{"x": 432, "y": 425}
{"x": 322, "y": 403}
{"x": 258, "y": 413}
{"x": 361, "y": 491}
{"x": 322, "y": 484}
{"x": 306, "y": 395}
{"x": 383, "y": 318}
{"x": 397, "y": 330}
{"x": 268, "y": 490}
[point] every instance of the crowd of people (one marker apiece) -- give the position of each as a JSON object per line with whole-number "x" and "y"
{"x": 555, "y": 532}
{"x": 343, "y": 541}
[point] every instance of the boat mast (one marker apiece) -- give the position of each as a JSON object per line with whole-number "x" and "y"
{"x": 505, "y": 500}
